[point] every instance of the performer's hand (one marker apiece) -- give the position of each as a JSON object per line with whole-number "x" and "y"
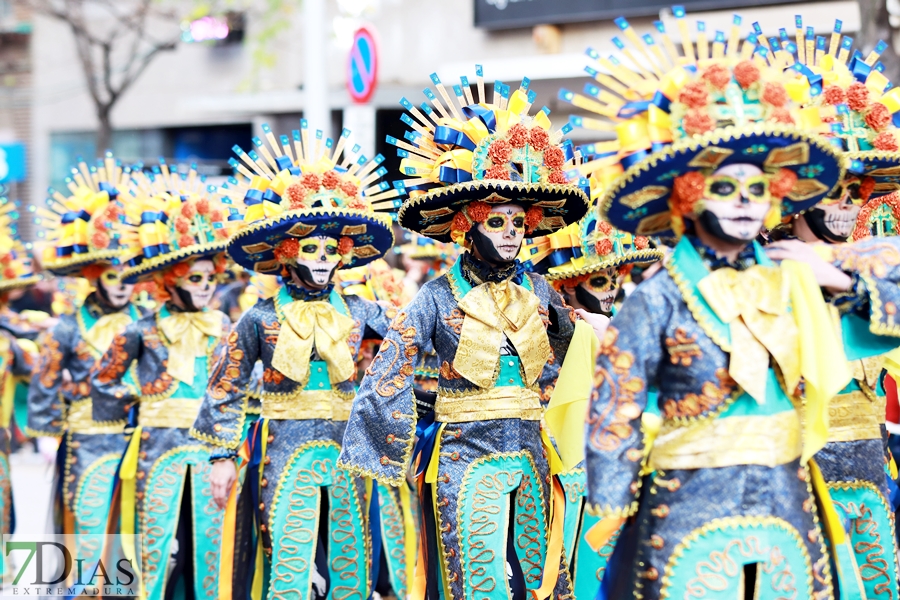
{"x": 221, "y": 479}
{"x": 598, "y": 322}
{"x": 827, "y": 275}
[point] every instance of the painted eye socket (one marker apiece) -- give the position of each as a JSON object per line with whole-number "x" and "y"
{"x": 495, "y": 222}
{"x": 757, "y": 189}
{"x": 722, "y": 188}
{"x": 851, "y": 191}
{"x": 331, "y": 250}
{"x": 519, "y": 222}
{"x": 600, "y": 282}
{"x": 111, "y": 277}
{"x": 196, "y": 278}
{"x": 309, "y": 248}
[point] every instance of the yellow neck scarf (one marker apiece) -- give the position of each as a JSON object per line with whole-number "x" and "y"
{"x": 187, "y": 334}
{"x": 493, "y": 310}
{"x": 319, "y": 323}
{"x": 101, "y": 335}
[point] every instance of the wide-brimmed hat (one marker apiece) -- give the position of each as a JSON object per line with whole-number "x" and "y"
{"x": 171, "y": 218}
{"x": 700, "y": 110}
{"x": 309, "y": 188}
{"x": 79, "y": 230}
{"x": 490, "y": 151}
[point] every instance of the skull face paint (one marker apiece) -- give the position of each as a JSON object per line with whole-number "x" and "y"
{"x": 111, "y": 288}
{"x": 833, "y": 219}
{"x": 199, "y": 285}
{"x": 735, "y": 203}
{"x": 598, "y": 293}
{"x": 317, "y": 260}
{"x": 499, "y": 238}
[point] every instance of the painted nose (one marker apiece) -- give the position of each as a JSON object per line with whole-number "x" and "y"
{"x": 745, "y": 199}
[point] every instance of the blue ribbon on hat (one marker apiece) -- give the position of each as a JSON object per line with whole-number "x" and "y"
{"x": 74, "y": 215}
{"x": 660, "y": 101}
{"x": 815, "y": 80}
{"x": 561, "y": 256}
{"x": 253, "y": 197}
{"x": 860, "y": 69}
{"x": 152, "y": 216}
{"x": 110, "y": 189}
{"x": 485, "y": 114}
{"x": 449, "y": 136}
{"x": 451, "y": 175}
{"x": 632, "y": 109}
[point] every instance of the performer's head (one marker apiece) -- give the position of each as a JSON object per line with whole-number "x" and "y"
{"x": 311, "y": 262}
{"x": 833, "y": 219}
{"x": 107, "y": 280}
{"x": 730, "y": 205}
{"x": 190, "y": 285}
{"x": 494, "y": 232}
{"x": 594, "y": 292}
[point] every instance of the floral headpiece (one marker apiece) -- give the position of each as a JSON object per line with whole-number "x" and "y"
{"x": 684, "y": 115}
{"x": 296, "y": 187}
{"x": 462, "y": 157}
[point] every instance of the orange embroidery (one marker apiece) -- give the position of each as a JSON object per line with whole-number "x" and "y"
{"x": 50, "y": 360}
{"x": 272, "y": 376}
{"x": 623, "y": 387}
{"x": 683, "y": 348}
{"x": 455, "y": 320}
{"x": 112, "y": 366}
{"x": 872, "y": 260}
{"x": 448, "y": 372}
{"x": 710, "y": 397}
{"x": 157, "y": 386}
{"x": 226, "y": 369}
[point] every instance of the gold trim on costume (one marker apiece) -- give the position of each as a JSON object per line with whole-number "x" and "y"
{"x": 169, "y": 412}
{"x": 728, "y": 441}
{"x": 305, "y": 405}
{"x": 80, "y": 420}
{"x": 853, "y": 417}
{"x": 510, "y": 402}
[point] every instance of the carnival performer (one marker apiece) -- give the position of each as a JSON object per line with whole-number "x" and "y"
{"x": 174, "y": 233}
{"x": 488, "y": 176}
{"x": 82, "y": 243}
{"x": 853, "y": 462}
{"x": 587, "y": 263}
{"x": 308, "y": 213}
{"x": 724, "y": 335}
{"x": 17, "y": 350}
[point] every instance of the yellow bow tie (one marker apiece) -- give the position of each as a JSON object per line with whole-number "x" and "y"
{"x": 755, "y": 305}
{"x": 187, "y": 333}
{"x": 492, "y": 311}
{"x": 308, "y": 323}
{"x": 101, "y": 335}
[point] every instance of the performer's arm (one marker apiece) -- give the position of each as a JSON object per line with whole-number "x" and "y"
{"x": 111, "y": 395}
{"x": 626, "y": 369}
{"x": 220, "y": 421}
{"x": 381, "y": 431}
{"x": 45, "y": 404}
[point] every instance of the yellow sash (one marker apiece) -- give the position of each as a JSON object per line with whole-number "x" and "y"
{"x": 319, "y": 323}
{"x": 186, "y": 333}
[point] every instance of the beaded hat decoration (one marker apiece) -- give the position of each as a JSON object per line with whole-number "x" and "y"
{"x": 296, "y": 187}
{"x": 173, "y": 217}
{"x": 679, "y": 116}
{"x": 859, "y": 104}
{"x": 16, "y": 264}
{"x": 81, "y": 229}
{"x": 463, "y": 156}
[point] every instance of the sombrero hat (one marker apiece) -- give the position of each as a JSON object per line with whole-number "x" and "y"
{"x": 171, "y": 218}
{"x": 305, "y": 189}
{"x": 80, "y": 229}
{"x": 678, "y": 113}
{"x": 16, "y": 264}
{"x": 488, "y": 151}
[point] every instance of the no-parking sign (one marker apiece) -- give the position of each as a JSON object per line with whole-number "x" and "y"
{"x": 362, "y": 66}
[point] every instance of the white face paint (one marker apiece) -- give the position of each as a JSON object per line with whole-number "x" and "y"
{"x": 842, "y": 207}
{"x": 118, "y": 294}
{"x": 504, "y": 228}
{"x": 317, "y": 260}
{"x": 738, "y": 195}
{"x": 200, "y": 282}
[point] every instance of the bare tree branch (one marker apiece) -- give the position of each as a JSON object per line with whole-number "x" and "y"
{"x": 115, "y": 48}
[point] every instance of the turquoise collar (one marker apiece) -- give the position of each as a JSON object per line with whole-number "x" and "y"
{"x": 283, "y": 298}
{"x": 687, "y": 270}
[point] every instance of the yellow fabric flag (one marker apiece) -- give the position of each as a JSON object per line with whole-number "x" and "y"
{"x": 565, "y": 415}
{"x": 823, "y": 364}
